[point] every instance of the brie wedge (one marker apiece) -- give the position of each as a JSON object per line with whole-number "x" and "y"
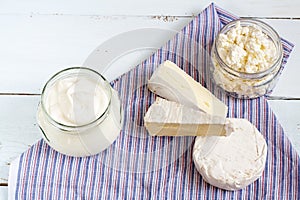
{"x": 231, "y": 162}
{"x": 172, "y": 83}
{"x": 168, "y": 118}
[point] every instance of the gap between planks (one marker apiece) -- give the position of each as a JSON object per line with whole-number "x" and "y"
{"x": 18, "y": 94}
{"x": 282, "y": 98}
{"x": 37, "y": 94}
{"x": 135, "y": 16}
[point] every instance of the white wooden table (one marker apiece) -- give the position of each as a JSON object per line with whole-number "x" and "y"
{"x": 38, "y": 38}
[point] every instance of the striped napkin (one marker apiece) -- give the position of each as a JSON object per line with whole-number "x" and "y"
{"x": 137, "y": 166}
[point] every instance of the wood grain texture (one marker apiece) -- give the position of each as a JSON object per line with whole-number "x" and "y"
{"x": 35, "y": 47}
{"x": 267, "y": 8}
{"x": 18, "y": 129}
{"x": 38, "y": 38}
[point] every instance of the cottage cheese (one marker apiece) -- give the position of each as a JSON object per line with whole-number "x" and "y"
{"x": 248, "y": 52}
{"x": 246, "y": 49}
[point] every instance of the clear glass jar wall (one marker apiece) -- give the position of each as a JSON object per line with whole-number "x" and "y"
{"x": 79, "y": 113}
{"x": 238, "y": 81}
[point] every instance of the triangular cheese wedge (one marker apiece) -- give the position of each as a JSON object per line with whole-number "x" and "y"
{"x": 168, "y": 118}
{"x": 172, "y": 83}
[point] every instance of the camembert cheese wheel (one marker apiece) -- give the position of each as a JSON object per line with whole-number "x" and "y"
{"x": 231, "y": 162}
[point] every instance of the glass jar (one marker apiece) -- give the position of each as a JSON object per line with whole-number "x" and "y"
{"x": 79, "y": 114}
{"x": 240, "y": 82}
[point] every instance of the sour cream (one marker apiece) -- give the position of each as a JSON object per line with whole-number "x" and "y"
{"x": 79, "y": 114}
{"x": 76, "y": 101}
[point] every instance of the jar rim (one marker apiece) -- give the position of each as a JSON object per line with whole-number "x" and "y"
{"x": 98, "y": 119}
{"x": 276, "y": 41}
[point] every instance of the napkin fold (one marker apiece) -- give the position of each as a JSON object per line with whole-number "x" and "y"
{"x": 137, "y": 166}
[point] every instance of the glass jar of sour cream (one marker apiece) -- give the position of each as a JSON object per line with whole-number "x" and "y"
{"x": 246, "y": 56}
{"x": 79, "y": 113}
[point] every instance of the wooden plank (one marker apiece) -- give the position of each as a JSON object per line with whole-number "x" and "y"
{"x": 34, "y": 48}
{"x": 288, "y": 114}
{"x": 3, "y": 192}
{"x": 286, "y": 86}
{"x": 19, "y": 130}
{"x": 42, "y": 45}
{"x": 267, "y": 8}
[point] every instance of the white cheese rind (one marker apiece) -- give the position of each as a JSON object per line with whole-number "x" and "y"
{"x": 168, "y": 118}
{"x": 231, "y": 162}
{"x": 172, "y": 83}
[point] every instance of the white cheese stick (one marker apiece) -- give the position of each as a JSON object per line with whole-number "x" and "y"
{"x": 168, "y": 118}
{"x": 172, "y": 83}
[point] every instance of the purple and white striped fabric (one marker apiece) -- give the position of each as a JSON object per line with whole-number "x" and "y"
{"x": 137, "y": 166}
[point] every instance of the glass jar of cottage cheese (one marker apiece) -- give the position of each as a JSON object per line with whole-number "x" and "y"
{"x": 246, "y": 56}
{"x": 79, "y": 113}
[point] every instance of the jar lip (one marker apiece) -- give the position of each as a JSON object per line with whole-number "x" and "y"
{"x": 277, "y": 42}
{"x": 98, "y": 119}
